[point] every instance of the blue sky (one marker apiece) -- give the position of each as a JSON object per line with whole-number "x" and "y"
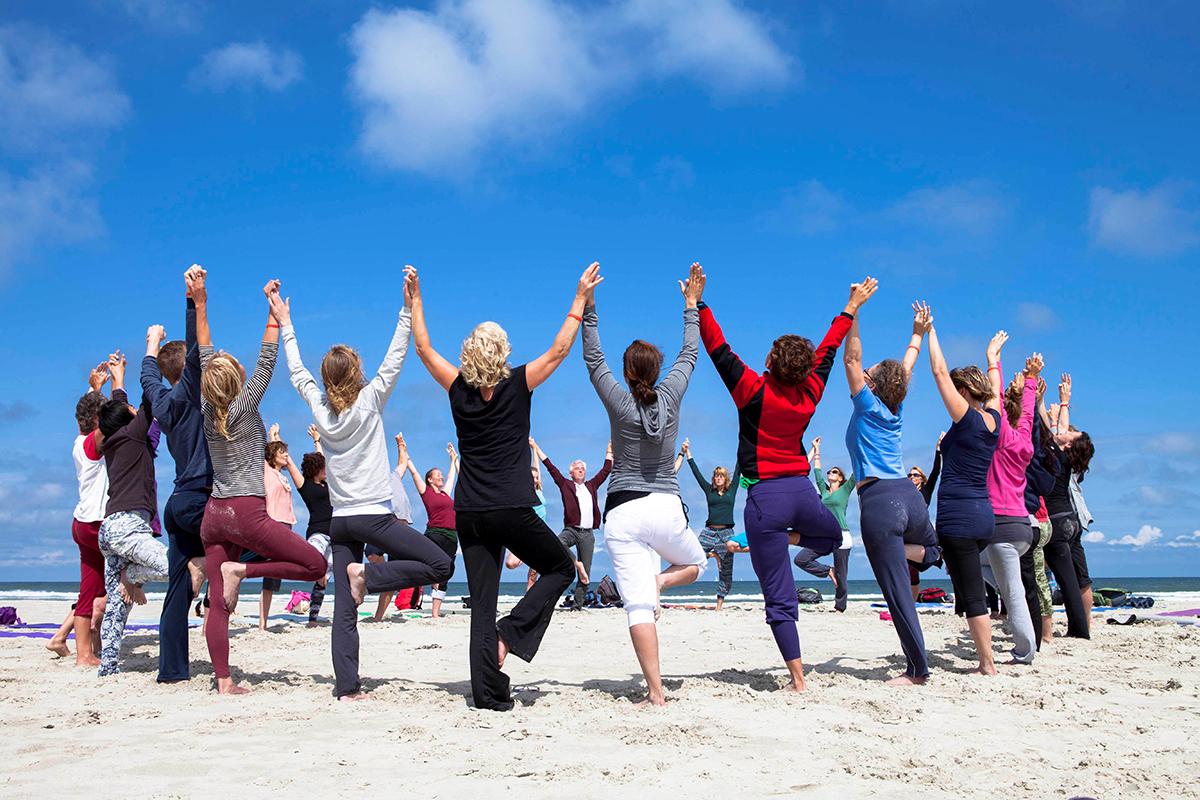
{"x": 1029, "y": 167}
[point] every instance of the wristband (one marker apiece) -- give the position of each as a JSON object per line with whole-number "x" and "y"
{"x": 272, "y": 325}
{"x": 575, "y": 316}
{"x": 1064, "y": 405}
{"x": 993, "y": 367}
{"x": 913, "y": 347}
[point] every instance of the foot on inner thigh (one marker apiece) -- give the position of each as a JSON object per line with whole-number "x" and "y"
{"x": 833, "y": 578}
{"x": 906, "y": 680}
{"x": 501, "y": 648}
{"x": 232, "y": 574}
{"x": 358, "y": 583}
{"x": 350, "y": 698}
{"x": 197, "y": 571}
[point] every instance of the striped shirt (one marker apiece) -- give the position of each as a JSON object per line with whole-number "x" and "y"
{"x": 238, "y": 460}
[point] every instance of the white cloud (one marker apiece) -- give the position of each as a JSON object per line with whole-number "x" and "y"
{"x": 810, "y": 209}
{"x": 1174, "y": 443}
{"x": 57, "y": 104}
{"x": 1093, "y": 536}
{"x": 246, "y": 65}
{"x": 168, "y": 15}
{"x": 1187, "y": 540}
{"x": 1162, "y": 221}
{"x": 1037, "y": 317}
{"x": 975, "y": 208}
{"x": 1158, "y": 495}
{"x": 437, "y": 88}
{"x": 1145, "y": 535}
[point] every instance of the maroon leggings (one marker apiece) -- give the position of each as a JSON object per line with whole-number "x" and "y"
{"x": 233, "y": 523}
{"x": 91, "y": 565}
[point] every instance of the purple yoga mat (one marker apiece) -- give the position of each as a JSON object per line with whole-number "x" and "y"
{"x": 1191, "y": 612}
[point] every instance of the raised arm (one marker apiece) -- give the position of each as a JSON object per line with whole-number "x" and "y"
{"x": 995, "y": 372}
{"x": 542, "y": 367}
{"x": 453, "y": 469}
{"x": 98, "y": 377}
{"x": 1064, "y": 404}
{"x": 594, "y": 482}
{"x": 189, "y": 379}
{"x": 741, "y": 381}
{"x": 676, "y": 382}
{"x": 536, "y": 463}
{"x": 194, "y": 279}
{"x": 384, "y": 382}
{"x": 418, "y": 481}
{"x": 1033, "y": 369}
{"x": 555, "y": 475}
{"x": 302, "y": 379}
{"x": 954, "y": 402}
{"x": 922, "y": 320}
{"x": 826, "y": 351}
{"x": 257, "y": 385}
{"x": 316, "y": 437}
{"x": 610, "y": 392}
{"x": 856, "y": 377}
{"x": 152, "y": 379}
{"x": 293, "y": 470}
{"x": 439, "y": 368}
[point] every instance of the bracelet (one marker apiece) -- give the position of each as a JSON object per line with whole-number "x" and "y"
{"x": 575, "y": 316}
{"x": 272, "y": 325}
{"x": 913, "y": 347}
{"x": 993, "y": 367}
{"x": 1064, "y": 405}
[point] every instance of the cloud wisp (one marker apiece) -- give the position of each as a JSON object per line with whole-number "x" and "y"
{"x": 248, "y": 65}
{"x": 438, "y": 88}
{"x": 1155, "y": 223}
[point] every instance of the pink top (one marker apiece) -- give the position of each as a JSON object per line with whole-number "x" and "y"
{"x": 279, "y": 496}
{"x": 1014, "y": 450}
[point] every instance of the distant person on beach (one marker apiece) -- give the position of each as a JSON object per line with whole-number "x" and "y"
{"x": 835, "y": 495}
{"x": 965, "y": 519}
{"x": 280, "y": 508}
{"x": 236, "y": 516}
{"x": 1001, "y": 559}
{"x": 581, "y": 514}
{"x": 348, "y": 415}
{"x": 132, "y": 554}
{"x": 177, "y": 413}
{"x": 490, "y": 402}
{"x": 774, "y": 409}
{"x": 721, "y": 494}
{"x": 510, "y": 560}
{"x": 309, "y": 479}
{"x": 401, "y": 510}
{"x": 91, "y": 474}
{"x": 643, "y": 512}
{"x": 437, "y": 495}
{"x": 894, "y": 516}
{"x": 1064, "y": 552}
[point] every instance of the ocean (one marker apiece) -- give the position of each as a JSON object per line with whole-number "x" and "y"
{"x": 1163, "y": 590}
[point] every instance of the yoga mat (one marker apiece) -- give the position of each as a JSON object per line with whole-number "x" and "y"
{"x": 1190, "y": 612}
{"x": 1129, "y": 619}
{"x": 919, "y": 605}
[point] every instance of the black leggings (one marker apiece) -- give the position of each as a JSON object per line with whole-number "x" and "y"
{"x": 966, "y": 572}
{"x": 1029, "y": 582}
{"x": 1060, "y": 561}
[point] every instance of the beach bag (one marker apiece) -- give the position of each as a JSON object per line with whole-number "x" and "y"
{"x": 8, "y": 616}
{"x": 1112, "y": 598}
{"x": 299, "y": 602}
{"x": 808, "y": 596}
{"x": 408, "y": 599}
{"x": 934, "y": 595}
{"x": 607, "y": 594}
{"x": 1137, "y": 601}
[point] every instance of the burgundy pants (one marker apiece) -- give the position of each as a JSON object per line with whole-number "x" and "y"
{"x": 233, "y": 523}
{"x": 91, "y": 565}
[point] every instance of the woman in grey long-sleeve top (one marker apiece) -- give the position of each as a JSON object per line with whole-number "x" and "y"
{"x": 643, "y": 512}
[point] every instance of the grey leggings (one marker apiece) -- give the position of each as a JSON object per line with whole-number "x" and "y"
{"x": 1001, "y": 562}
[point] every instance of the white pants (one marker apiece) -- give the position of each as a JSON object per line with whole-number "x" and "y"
{"x": 637, "y": 534}
{"x": 321, "y": 543}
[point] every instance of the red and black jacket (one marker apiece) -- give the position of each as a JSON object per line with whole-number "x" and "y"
{"x": 772, "y": 418}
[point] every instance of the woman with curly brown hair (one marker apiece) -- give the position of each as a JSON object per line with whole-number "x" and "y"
{"x": 348, "y": 416}
{"x": 774, "y": 410}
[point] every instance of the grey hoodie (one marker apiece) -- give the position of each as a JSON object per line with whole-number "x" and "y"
{"x": 643, "y": 437}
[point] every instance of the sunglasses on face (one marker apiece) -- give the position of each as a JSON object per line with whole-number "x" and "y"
{"x": 915, "y": 475}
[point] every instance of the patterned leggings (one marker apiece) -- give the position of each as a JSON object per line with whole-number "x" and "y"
{"x": 1039, "y": 570}
{"x": 127, "y": 543}
{"x": 713, "y": 541}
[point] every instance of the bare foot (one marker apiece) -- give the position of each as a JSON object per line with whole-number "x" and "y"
{"x": 86, "y": 660}
{"x": 650, "y": 700}
{"x": 833, "y": 578}
{"x": 659, "y": 580}
{"x": 358, "y": 583}
{"x": 232, "y": 574}
{"x": 227, "y": 686}
{"x": 60, "y": 649}
{"x": 312, "y": 623}
{"x": 906, "y": 680}
{"x": 794, "y": 687}
{"x": 989, "y": 671}
{"x": 350, "y": 698}
{"x": 197, "y": 571}
{"x": 502, "y": 649}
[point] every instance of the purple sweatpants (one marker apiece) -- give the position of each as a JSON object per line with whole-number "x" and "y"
{"x": 774, "y": 508}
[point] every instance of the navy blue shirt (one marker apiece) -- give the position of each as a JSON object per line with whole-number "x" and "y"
{"x": 1039, "y": 481}
{"x": 963, "y": 508}
{"x": 178, "y": 413}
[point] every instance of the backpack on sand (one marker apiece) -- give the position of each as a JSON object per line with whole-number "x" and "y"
{"x": 808, "y": 596}
{"x": 607, "y": 594}
{"x": 933, "y": 594}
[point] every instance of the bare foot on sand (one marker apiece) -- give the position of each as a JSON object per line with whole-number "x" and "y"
{"x": 232, "y": 574}
{"x": 906, "y": 680}
{"x": 227, "y": 686}
{"x": 312, "y": 623}
{"x": 350, "y": 698}
{"x": 990, "y": 671}
{"x": 650, "y": 700}
{"x": 358, "y": 583}
{"x": 793, "y": 687}
{"x": 86, "y": 660}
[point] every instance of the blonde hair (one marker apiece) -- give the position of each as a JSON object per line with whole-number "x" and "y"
{"x": 973, "y": 381}
{"x": 921, "y": 472}
{"x": 220, "y": 385}
{"x": 342, "y": 374}
{"x": 724, "y": 473}
{"x": 484, "y": 359}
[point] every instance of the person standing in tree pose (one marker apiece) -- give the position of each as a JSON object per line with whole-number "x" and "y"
{"x": 279, "y": 508}
{"x": 581, "y": 514}
{"x": 349, "y": 418}
{"x": 401, "y": 510}
{"x": 490, "y": 402}
{"x": 774, "y": 410}
{"x": 1001, "y": 559}
{"x": 721, "y": 494}
{"x": 965, "y": 520}
{"x": 437, "y": 495}
{"x": 236, "y": 516}
{"x": 895, "y": 526}
{"x": 177, "y": 412}
{"x": 835, "y": 495}
{"x": 511, "y": 561}
{"x": 310, "y": 483}
{"x": 643, "y": 512}
{"x": 132, "y": 556}
{"x": 92, "y": 475}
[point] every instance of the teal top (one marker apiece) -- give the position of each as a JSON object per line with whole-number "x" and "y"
{"x": 720, "y": 506}
{"x": 837, "y": 501}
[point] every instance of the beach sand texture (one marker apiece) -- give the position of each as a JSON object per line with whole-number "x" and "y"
{"x": 1116, "y": 717}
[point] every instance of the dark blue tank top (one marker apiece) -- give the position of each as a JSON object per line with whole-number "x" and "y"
{"x": 963, "y": 508}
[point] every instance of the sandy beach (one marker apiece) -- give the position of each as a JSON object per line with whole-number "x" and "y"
{"x": 1115, "y": 717}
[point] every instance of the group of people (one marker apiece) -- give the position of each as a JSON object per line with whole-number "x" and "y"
{"x": 229, "y": 516}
